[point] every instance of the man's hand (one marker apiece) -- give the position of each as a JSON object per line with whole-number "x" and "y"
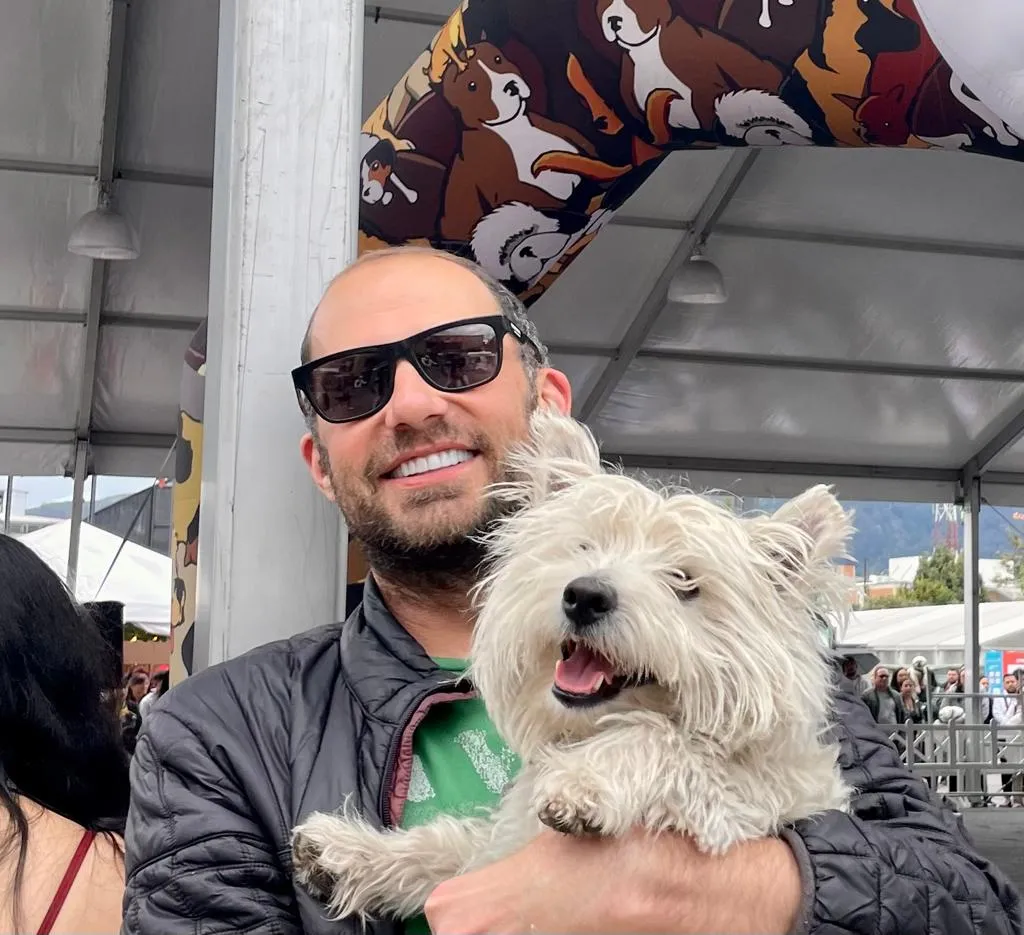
{"x": 635, "y": 884}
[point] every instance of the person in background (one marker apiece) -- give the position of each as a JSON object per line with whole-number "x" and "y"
{"x": 159, "y": 682}
{"x": 883, "y": 703}
{"x": 1008, "y": 715}
{"x": 131, "y": 718}
{"x": 63, "y": 770}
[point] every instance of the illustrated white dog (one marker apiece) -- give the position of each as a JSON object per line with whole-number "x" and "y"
{"x": 654, "y": 660}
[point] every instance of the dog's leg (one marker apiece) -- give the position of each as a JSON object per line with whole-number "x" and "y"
{"x": 605, "y": 119}
{"x": 577, "y": 164}
{"x": 358, "y": 870}
{"x": 611, "y": 782}
{"x": 657, "y": 108}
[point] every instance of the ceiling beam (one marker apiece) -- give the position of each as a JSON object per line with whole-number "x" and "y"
{"x": 389, "y": 14}
{"x": 923, "y": 245}
{"x": 17, "y": 435}
{"x": 1005, "y": 437}
{"x": 125, "y": 173}
{"x": 71, "y": 316}
{"x": 794, "y": 362}
{"x": 742, "y": 466}
{"x": 926, "y": 245}
{"x": 714, "y": 205}
{"x": 104, "y": 178}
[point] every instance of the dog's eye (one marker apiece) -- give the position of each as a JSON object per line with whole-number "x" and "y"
{"x": 497, "y": 59}
{"x": 471, "y": 86}
{"x": 584, "y": 547}
{"x": 685, "y": 587}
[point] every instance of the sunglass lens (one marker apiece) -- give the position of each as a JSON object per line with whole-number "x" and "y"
{"x": 460, "y": 357}
{"x": 349, "y": 387}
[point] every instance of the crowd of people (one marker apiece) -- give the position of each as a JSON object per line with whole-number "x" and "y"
{"x": 374, "y": 712}
{"x": 913, "y": 695}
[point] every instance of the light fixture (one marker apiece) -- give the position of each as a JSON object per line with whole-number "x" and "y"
{"x": 102, "y": 233}
{"x": 697, "y": 282}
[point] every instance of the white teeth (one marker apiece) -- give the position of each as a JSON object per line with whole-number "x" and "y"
{"x": 432, "y": 462}
{"x": 600, "y": 683}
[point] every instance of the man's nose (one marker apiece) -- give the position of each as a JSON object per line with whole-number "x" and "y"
{"x": 413, "y": 401}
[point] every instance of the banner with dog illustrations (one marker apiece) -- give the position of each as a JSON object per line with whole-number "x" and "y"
{"x": 513, "y": 138}
{"x": 526, "y": 124}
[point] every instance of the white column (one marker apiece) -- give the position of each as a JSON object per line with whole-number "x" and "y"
{"x": 285, "y": 208}
{"x": 972, "y": 622}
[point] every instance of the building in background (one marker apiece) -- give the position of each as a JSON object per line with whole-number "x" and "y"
{"x": 143, "y": 517}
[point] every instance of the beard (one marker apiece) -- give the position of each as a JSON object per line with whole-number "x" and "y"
{"x": 446, "y": 554}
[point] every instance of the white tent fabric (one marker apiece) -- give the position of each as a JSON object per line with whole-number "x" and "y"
{"x": 140, "y": 578}
{"x": 938, "y": 627}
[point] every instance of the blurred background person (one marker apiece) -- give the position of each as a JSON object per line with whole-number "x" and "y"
{"x": 63, "y": 768}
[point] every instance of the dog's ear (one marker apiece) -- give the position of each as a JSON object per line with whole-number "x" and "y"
{"x": 560, "y": 451}
{"x": 806, "y": 535}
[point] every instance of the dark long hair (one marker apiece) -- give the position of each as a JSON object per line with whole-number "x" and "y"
{"x": 60, "y": 743}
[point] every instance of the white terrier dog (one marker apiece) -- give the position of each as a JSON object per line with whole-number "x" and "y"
{"x": 653, "y": 659}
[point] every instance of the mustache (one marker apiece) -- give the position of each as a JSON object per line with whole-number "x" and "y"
{"x": 404, "y": 441}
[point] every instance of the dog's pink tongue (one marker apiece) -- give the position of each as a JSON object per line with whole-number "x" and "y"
{"x": 581, "y": 673}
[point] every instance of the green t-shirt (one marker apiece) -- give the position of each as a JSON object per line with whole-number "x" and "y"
{"x": 459, "y": 763}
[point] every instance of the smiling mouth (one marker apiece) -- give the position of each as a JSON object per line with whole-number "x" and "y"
{"x": 520, "y": 110}
{"x": 436, "y": 461}
{"x": 585, "y": 677}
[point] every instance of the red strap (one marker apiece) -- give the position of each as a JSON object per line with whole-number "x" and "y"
{"x": 66, "y": 883}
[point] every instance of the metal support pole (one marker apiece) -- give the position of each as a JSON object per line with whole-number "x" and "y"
{"x": 77, "y": 499}
{"x": 92, "y": 498}
{"x": 285, "y": 217}
{"x": 972, "y": 621}
{"x": 8, "y": 497}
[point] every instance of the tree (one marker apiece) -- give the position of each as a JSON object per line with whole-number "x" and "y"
{"x": 939, "y": 580}
{"x": 1013, "y": 560}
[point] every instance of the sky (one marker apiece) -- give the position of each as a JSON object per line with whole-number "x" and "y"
{"x": 44, "y": 489}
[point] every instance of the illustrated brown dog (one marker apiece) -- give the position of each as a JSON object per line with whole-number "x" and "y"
{"x": 672, "y": 72}
{"x": 506, "y": 153}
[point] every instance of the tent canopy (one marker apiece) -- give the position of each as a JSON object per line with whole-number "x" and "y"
{"x": 872, "y": 335}
{"x": 938, "y": 627}
{"x": 138, "y": 578}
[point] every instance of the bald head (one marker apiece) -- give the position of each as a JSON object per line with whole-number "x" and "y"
{"x": 404, "y": 261}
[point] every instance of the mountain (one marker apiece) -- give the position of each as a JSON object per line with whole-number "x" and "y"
{"x": 889, "y": 530}
{"x": 61, "y": 509}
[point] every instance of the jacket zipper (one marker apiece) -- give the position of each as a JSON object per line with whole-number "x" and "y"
{"x": 394, "y": 747}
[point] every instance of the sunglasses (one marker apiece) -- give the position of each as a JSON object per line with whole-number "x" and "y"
{"x": 453, "y": 358}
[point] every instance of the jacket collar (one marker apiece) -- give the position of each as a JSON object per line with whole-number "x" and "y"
{"x": 385, "y": 668}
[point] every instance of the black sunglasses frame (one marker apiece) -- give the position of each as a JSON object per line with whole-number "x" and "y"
{"x": 403, "y": 350}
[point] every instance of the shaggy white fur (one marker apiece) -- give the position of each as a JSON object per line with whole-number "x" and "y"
{"x": 654, "y": 660}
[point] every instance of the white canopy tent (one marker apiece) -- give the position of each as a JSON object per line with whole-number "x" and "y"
{"x": 138, "y": 578}
{"x": 872, "y": 337}
{"x": 934, "y": 628}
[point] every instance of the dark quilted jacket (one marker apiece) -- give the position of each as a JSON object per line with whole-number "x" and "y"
{"x": 230, "y": 760}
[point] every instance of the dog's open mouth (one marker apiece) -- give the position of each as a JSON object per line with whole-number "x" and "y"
{"x": 584, "y": 677}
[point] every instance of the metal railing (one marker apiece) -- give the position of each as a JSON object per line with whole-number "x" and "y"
{"x": 970, "y": 764}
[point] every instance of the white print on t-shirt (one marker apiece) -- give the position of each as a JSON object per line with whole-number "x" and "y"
{"x": 495, "y": 770}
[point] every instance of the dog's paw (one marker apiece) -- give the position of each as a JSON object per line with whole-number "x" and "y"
{"x": 333, "y": 858}
{"x": 307, "y": 850}
{"x": 572, "y": 818}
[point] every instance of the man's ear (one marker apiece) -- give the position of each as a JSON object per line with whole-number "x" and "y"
{"x": 310, "y": 452}
{"x": 805, "y": 536}
{"x": 559, "y": 452}
{"x": 554, "y": 390}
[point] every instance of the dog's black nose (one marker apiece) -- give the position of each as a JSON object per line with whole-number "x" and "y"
{"x": 615, "y": 23}
{"x": 587, "y": 600}
{"x": 512, "y": 87}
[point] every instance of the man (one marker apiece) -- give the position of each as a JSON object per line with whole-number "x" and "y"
{"x": 882, "y": 701}
{"x": 420, "y": 372}
{"x": 1007, "y": 714}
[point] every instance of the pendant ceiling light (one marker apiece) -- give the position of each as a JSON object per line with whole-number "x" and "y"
{"x": 103, "y": 233}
